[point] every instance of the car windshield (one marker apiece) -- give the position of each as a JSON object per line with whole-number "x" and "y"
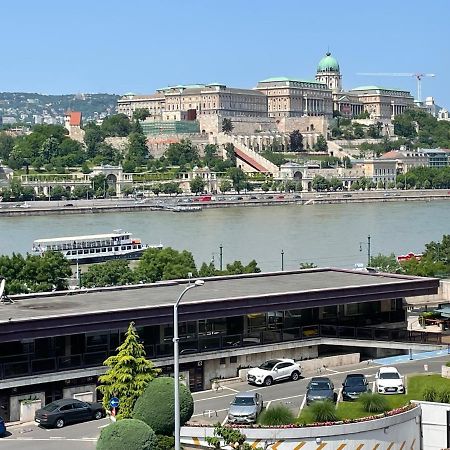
{"x": 319, "y": 385}
{"x": 354, "y": 381}
{"x": 269, "y": 365}
{"x": 244, "y": 401}
{"x": 389, "y": 376}
{"x": 51, "y": 407}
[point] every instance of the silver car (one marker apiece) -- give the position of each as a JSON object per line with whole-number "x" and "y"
{"x": 245, "y": 407}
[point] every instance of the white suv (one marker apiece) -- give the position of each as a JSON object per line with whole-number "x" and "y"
{"x": 389, "y": 381}
{"x": 274, "y": 370}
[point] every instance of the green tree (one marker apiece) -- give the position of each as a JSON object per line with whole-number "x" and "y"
{"x": 231, "y": 438}
{"x": 156, "y": 189}
{"x": 307, "y": 265}
{"x": 155, "y": 407}
{"x": 225, "y": 186}
{"x": 131, "y": 434}
{"x": 182, "y": 153}
{"x": 237, "y": 268}
{"x": 137, "y": 148}
{"x": 320, "y": 183}
{"x": 227, "y": 126}
{"x": 385, "y": 263}
{"x": 141, "y": 113}
{"x": 128, "y": 374}
{"x": 296, "y": 141}
{"x": 116, "y": 125}
{"x": 110, "y": 273}
{"x": 321, "y": 144}
{"x": 93, "y": 136}
{"x": 197, "y": 185}
{"x": 6, "y": 146}
{"x": 231, "y": 154}
{"x": 165, "y": 264}
{"x": 238, "y": 178}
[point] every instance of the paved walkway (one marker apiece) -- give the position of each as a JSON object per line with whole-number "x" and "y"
{"x": 391, "y": 360}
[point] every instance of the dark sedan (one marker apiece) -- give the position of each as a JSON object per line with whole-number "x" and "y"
{"x": 354, "y": 385}
{"x": 68, "y": 410}
{"x": 320, "y": 389}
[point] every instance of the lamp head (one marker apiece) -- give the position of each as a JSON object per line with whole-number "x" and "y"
{"x": 199, "y": 283}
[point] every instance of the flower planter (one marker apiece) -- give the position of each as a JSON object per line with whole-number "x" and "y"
{"x": 28, "y": 408}
{"x": 445, "y": 371}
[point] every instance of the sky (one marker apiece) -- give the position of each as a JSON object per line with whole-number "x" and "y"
{"x": 118, "y": 46}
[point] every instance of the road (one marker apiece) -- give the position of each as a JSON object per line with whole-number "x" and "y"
{"x": 207, "y": 404}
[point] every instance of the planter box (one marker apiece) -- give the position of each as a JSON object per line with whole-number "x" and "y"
{"x": 28, "y": 408}
{"x": 445, "y": 372}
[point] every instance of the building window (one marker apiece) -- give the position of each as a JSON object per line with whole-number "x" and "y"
{"x": 233, "y": 359}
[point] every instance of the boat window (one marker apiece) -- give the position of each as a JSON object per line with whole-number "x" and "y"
{"x": 123, "y": 247}
{"x": 97, "y": 250}
{"x": 128, "y": 247}
{"x": 80, "y": 252}
{"x": 109, "y": 249}
{"x": 139, "y": 246}
{"x": 116, "y": 248}
{"x": 103, "y": 250}
{"x": 85, "y": 251}
{"x": 92, "y": 250}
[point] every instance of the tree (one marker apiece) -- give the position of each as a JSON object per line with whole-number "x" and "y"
{"x": 137, "y": 148}
{"x": 165, "y": 264}
{"x": 110, "y": 273}
{"x": 131, "y": 434}
{"x": 321, "y": 144}
{"x": 141, "y": 113}
{"x": 237, "y": 268}
{"x": 197, "y": 185}
{"x": 6, "y": 146}
{"x": 296, "y": 141}
{"x": 320, "y": 183}
{"x": 227, "y": 126}
{"x": 156, "y": 189}
{"x": 155, "y": 406}
{"x": 182, "y": 153}
{"x": 385, "y": 263}
{"x": 238, "y": 178}
{"x": 93, "y": 136}
{"x": 307, "y": 265}
{"x": 129, "y": 372}
{"x": 231, "y": 154}
{"x": 225, "y": 186}
{"x": 116, "y": 125}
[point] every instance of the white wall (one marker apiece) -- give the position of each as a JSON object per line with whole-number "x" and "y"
{"x": 434, "y": 425}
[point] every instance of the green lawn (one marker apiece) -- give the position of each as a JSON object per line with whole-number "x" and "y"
{"x": 416, "y": 386}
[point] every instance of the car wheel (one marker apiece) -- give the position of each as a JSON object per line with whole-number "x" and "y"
{"x": 268, "y": 381}
{"x": 295, "y": 376}
{"x": 59, "y": 423}
{"x": 98, "y": 415}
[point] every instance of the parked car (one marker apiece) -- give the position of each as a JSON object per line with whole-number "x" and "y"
{"x": 253, "y": 197}
{"x": 245, "y": 407}
{"x": 319, "y": 389}
{"x": 68, "y": 410}
{"x": 68, "y": 204}
{"x": 270, "y": 197}
{"x": 354, "y": 385}
{"x": 274, "y": 370}
{"x": 2, "y": 427}
{"x": 389, "y": 381}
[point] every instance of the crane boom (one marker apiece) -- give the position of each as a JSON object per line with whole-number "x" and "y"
{"x": 418, "y": 76}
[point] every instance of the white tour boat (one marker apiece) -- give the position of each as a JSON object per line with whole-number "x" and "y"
{"x": 94, "y": 248}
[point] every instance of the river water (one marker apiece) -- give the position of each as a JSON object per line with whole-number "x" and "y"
{"x": 328, "y": 235}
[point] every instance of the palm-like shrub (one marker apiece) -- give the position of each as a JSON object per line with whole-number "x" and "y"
{"x": 430, "y": 394}
{"x": 127, "y": 434}
{"x": 278, "y": 415}
{"x": 324, "y": 411}
{"x": 373, "y": 402}
{"x": 155, "y": 406}
{"x": 444, "y": 395}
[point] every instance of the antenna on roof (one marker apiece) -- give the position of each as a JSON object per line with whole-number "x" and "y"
{"x": 3, "y": 297}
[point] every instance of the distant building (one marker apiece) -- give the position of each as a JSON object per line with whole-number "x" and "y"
{"x": 73, "y": 122}
{"x": 422, "y": 157}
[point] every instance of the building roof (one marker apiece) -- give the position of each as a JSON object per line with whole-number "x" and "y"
{"x": 376, "y": 88}
{"x": 75, "y": 118}
{"x": 393, "y": 154}
{"x": 60, "y": 313}
{"x": 328, "y": 64}
{"x": 280, "y": 79}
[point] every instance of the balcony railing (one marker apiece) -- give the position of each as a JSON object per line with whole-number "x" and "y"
{"x": 28, "y": 365}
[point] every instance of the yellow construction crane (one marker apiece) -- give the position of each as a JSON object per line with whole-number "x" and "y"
{"x": 417, "y": 76}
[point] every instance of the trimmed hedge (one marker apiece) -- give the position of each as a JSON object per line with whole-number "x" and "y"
{"x": 155, "y": 406}
{"x": 129, "y": 434}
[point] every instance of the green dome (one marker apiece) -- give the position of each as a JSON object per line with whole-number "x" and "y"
{"x": 328, "y": 64}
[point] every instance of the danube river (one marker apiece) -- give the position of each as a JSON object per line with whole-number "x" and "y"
{"x": 328, "y": 235}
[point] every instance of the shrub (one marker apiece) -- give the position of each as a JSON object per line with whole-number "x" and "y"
{"x": 130, "y": 434}
{"x": 444, "y": 395}
{"x": 324, "y": 411}
{"x": 155, "y": 406}
{"x": 373, "y": 403}
{"x": 278, "y": 415}
{"x": 447, "y": 364}
{"x": 429, "y": 394}
{"x": 166, "y": 442}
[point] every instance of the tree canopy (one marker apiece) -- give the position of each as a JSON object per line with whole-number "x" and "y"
{"x": 128, "y": 374}
{"x": 181, "y": 153}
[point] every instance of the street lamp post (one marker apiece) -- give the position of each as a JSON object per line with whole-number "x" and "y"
{"x": 176, "y": 361}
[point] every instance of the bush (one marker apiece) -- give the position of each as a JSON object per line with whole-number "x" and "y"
{"x": 447, "y": 364}
{"x": 155, "y": 406}
{"x": 430, "y": 394}
{"x": 278, "y": 415}
{"x": 373, "y": 403}
{"x": 166, "y": 442}
{"x": 130, "y": 434}
{"x": 324, "y": 411}
{"x": 444, "y": 395}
